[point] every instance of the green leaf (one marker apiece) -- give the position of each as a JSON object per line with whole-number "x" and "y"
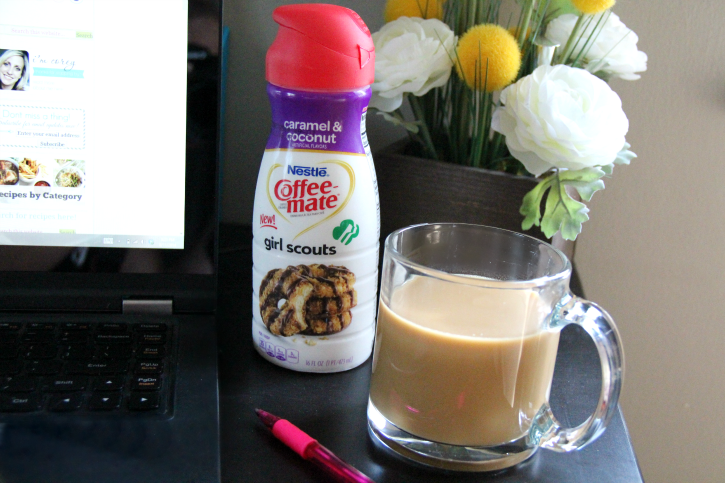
{"x": 530, "y": 207}
{"x": 572, "y": 225}
{"x": 560, "y": 7}
{"x": 563, "y": 213}
{"x": 586, "y": 181}
{"x": 586, "y": 175}
{"x": 408, "y": 125}
{"x": 625, "y": 156}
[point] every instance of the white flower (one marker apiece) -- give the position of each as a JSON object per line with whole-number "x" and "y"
{"x": 561, "y": 117}
{"x": 411, "y": 55}
{"x": 614, "y": 51}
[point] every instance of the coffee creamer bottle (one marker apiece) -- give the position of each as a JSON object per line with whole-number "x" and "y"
{"x": 316, "y": 218}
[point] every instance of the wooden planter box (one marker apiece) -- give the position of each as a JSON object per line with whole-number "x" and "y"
{"x": 416, "y": 190}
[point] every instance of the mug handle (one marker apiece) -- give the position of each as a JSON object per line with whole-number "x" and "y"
{"x": 546, "y": 430}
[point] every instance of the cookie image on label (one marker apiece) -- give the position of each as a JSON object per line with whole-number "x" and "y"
{"x": 307, "y": 299}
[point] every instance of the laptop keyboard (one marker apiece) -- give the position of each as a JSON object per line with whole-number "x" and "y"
{"x": 80, "y": 367}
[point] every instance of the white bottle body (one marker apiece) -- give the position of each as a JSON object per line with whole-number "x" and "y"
{"x": 316, "y": 231}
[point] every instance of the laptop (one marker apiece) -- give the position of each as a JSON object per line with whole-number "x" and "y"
{"x": 109, "y": 149}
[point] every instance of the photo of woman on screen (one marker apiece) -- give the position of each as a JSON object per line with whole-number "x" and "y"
{"x": 14, "y": 72}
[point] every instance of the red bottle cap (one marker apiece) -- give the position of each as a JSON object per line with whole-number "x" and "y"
{"x": 320, "y": 46}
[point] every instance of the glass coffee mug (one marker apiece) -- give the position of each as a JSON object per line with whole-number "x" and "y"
{"x": 467, "y": 334}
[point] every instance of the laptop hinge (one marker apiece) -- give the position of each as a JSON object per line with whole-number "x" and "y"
{"x": 148, "y": 306}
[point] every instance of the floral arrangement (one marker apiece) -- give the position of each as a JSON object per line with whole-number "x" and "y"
{"x": 531, "y": 98}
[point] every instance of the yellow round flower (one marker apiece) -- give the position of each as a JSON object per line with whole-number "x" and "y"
{"x": 491, "y": 45}
{"x": 591, "y": 7}
{"x": 413, "y": 8}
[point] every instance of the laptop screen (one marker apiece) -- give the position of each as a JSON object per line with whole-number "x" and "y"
{"x": 108, "y": 130}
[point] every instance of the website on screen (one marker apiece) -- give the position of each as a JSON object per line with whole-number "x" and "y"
{"x": 93, "y": 122}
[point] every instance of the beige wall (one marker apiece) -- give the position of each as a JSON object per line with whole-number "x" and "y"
{"x": 653, "y": 253}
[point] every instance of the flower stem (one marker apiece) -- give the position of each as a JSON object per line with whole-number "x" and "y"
{"x": 497, "y": 140}
{"x": 420, "y": 117}
{"x": 524, "y": 27}
{"x": 592, "y": 36}
{"x": 562, "y": 193}
{"x": 572, "y": 37}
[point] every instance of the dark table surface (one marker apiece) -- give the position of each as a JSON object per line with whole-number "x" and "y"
{"x": 332, "y": 407}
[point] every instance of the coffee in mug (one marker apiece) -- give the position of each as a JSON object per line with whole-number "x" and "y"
{"x": 467, "y": 335}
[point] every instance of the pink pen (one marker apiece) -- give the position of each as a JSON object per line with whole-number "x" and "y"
{"x": 311, "y": 450}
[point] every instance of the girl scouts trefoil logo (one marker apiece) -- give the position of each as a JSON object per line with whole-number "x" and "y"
{"x": 346, "y": 231}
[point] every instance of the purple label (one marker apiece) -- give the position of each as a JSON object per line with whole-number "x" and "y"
{"x": 327, "y": 121}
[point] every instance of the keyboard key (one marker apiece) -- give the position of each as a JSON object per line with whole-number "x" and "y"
{"x": 121, "y": 351}
{"x": 144, "y": 401}
{"x": 112, "y": 338}
{"x": 150, "y": 352}
{"x": 149, "y": 367}
{"x": 65, "y": 384}
{"x": 151, "y": 327}
{"x": 65, "y": 402}
{"x": 9, "y": 351}
{"x": 93, "y": 367}
{"x": 146, "y": 383}
{"x": 10, "y": 367}
{"x": 41, "y": 351}
{"x": 80, "y": 367}
{"x": 152, "y": 339}
{"x": 75, "y": 326}
{"x": 19, "y": 403}
{"x": 113, "y": 367}
{"x": 18, "y": 384}
{"x": 112, "y": 383}
{"x": 104, "y": 402}
{"x": 44, "y": 368}
{"x": 74, "y": 337}
{"x": 53, "y": 366}
{"x": 38, "y": 337}
{"x": 77, "y": 352}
